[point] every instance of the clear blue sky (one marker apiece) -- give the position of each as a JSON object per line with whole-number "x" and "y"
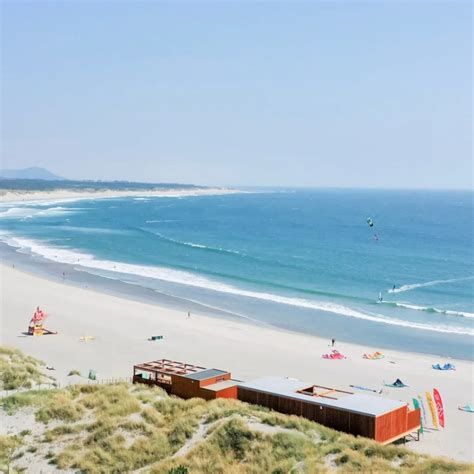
{"x": 312, "y": 94}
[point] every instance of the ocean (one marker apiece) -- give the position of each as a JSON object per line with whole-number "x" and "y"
{"x": 303, "y": 260}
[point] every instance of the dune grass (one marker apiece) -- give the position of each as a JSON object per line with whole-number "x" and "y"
{"x": 18, "y": 370}
{"x": 120, "y": 428}
{"x": 109, "y": 428}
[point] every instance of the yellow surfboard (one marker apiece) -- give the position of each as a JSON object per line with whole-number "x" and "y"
{"x": 431, "y": 405}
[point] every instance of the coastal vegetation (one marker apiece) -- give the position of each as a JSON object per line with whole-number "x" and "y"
{"x": 122, "y": 427}
{"x": 32, "y": 185}
{"x": 18, "y": 370}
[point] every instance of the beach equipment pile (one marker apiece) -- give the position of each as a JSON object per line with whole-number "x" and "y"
{"x": 397, "y": 384}
{"x": 446, "y": 366}
{"x": 376, "y": 355}
{"x": 334, "y": 354}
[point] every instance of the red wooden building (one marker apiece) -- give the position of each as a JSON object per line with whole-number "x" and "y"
{"x": 370, "y": 416}
{"x": 186, "y": 380}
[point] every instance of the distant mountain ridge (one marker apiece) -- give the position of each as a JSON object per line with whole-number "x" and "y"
{"x": 33, "y": 172}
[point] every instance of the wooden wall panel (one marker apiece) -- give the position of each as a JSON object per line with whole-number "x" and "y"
{"x": 362, "y": 425}
{"x": 184, "y": 387}
{"x": 391, "y": 424}
{"x": 413, "y": 420}
{"x": 229, "y": 392}
{"x": 337, "y": 419}
{"x": 216, "y": 379}
{"x": 341, "y": 420}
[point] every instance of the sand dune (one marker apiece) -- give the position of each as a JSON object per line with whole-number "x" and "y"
{"x": 121, "y": 328}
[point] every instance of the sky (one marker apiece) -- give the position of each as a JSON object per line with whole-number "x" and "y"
{"x": 339, "y": 94}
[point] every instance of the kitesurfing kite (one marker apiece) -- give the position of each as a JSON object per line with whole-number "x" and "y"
{"x": 371, "y": 224}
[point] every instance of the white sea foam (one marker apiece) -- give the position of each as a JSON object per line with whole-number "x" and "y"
{"x": 17, "y": 212}
{"x": 414, "y": 286}
{"x": 176, "y": 276}
{"x": 430, "y": 309}
{"x": 33, "y": 212}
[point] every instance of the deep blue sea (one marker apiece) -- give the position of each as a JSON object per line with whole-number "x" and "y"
{"x": 302, "y": 260}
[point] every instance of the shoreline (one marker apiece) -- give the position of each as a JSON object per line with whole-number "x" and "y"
{"x": 11, "y": 197}
{"x": 40, "y": 267}
{"x": 122, "y": 326}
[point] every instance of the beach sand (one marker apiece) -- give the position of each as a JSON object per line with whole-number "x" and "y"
{"x": 121, "y": 328}
{"x": 72, "y": 194}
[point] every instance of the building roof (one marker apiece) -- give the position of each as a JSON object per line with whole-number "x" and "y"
{"x": 357, "y": 403}
{"x": 167, "y": 366}
{"x": 215, "y": 387}
{"x": 206, "y": 374}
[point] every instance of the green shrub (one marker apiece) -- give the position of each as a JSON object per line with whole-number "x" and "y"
{"x": 288, "y": 445}
{"x": 180, "y": 431}
{"x": 234, "y": 437}
{"x": 179, "y": 470}
{"x": 14, "y": 402}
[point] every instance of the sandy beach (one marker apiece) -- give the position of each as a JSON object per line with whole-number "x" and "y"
{"x": 71, "y": 194}
{"x": 121, "y": 327}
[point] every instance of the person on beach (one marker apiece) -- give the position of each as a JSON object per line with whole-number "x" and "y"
{"x": 333, "y": 341}
{"x": 189, "y": 314}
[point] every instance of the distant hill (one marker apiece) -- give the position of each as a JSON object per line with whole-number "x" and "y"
{"x": 30, "y": 173}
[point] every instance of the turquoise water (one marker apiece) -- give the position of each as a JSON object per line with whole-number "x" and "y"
{"x": 304, "y": 260}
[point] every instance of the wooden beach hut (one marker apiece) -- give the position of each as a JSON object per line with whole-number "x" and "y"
{"x": 370, "y": 416}
{"x": 186, "y": 380}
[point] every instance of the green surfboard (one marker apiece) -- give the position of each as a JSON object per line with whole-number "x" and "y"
{"x": 416, "y": 405}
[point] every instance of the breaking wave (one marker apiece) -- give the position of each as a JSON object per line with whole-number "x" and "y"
{"x": 32, "y": 212}
{"x": 84, "y": 260}
{"x": 430, "y": 309}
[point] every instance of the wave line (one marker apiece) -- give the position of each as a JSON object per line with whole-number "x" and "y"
{"x": 180, "y": 277}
